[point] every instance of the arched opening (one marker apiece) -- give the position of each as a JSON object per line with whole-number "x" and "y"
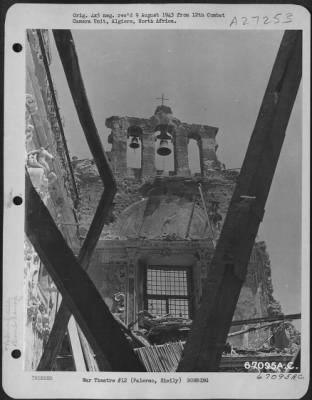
{"x": 193, "y": 153}
{"x": 108, "y": 142}
{"x": 134, "y": 147}
{"x": 164, "y": 163}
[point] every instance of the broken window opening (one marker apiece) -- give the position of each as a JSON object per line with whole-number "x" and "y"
{"x": 167, "y": 291}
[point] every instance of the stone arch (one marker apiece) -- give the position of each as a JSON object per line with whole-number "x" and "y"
{"x": 195, "y": 136}
{"x": 193, "y": 153}
{"x": 134, "y": 156}
{"x": 160, "y": 217}
{"x": 165, "y": 163}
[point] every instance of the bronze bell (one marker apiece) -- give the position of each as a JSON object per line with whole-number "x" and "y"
{"x": 134, "y": 143}
{"x": 164, "y": 149}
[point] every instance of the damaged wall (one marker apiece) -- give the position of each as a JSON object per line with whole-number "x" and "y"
{"x": 156, "y": 213}
{"x": 119, "y": 265}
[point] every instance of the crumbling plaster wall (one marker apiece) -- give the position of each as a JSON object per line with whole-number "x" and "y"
{"x": 91, "y": 189}
{"x": 218, "y": 188}
{"x": 118, "y": 266}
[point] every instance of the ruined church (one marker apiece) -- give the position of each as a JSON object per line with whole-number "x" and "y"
{"x": 154, "y": 253}
{"x": 151, "y": 264}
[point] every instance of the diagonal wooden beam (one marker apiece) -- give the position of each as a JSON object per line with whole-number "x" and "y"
{"x": 76, "y": 346}
{"x": 78, "y": 292}
{"x": 63, "y": 315}
{"x": 68, "y": 55}
{"x": 229, "y": 265}
{"x": 70, "y": 62}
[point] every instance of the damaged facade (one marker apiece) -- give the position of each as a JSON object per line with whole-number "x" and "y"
{"x": 151, "y": 263}
{"x": 160, "y": 231}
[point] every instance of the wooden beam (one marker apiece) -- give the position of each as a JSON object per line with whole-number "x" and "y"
{"x": 228, "y": 268}
{"x": 67, "y": 51}
{"x": 287, "y": 317}
{"x": 57, "y": 112}
{"x": 76, "y": 345}
{"x": 68, "y": 55}
{"x": 88, "y": 352}
{"x": 78, "y": 292}
{"x": 63, "y": 315}
{"x": 72, "y": 71}
{"x": 255, "y": 328}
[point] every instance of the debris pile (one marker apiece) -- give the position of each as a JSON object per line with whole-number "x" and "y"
{"x": 166, "y": 357}
{"x": 162, "y": 349}
{"x": 162, "y": 358}
{"x": 163, "y": 329}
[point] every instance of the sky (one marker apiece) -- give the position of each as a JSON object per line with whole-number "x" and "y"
{"x": 215, "y": 78}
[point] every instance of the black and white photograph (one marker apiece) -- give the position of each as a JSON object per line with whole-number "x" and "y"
{"x": 166, "y": 186}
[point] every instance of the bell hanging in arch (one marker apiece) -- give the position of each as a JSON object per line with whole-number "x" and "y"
{"x": 134, "y": 143}
{"x": 163, "y": 149}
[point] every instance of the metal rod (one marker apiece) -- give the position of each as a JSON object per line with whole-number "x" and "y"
{"x": 207, "y": 216}
{"x": 267, "y": 319}
{"x": 188, "y": 229}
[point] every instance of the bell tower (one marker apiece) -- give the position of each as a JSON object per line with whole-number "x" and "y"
{"x": 156, "y": 137}
{"x": 164, "y": 221}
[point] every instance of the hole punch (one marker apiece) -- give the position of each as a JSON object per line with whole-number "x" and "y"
{"x": 17, "y": 200}
{"x": 16, "y": 353}
{"x": 17, "y": 47}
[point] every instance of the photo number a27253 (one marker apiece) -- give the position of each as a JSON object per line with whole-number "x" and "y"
{"x": 278, "y": 18}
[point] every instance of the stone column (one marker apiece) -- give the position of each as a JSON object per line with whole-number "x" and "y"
{"x": 118, "y": 139}
{"x": 208, "y": 149}
{"x": 148, "y": 153}
{"x": 181, "y": 151}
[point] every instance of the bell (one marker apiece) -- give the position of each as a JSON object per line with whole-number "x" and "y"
{"x": 134, "y": 143}
{"x": 163, "y": 149}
